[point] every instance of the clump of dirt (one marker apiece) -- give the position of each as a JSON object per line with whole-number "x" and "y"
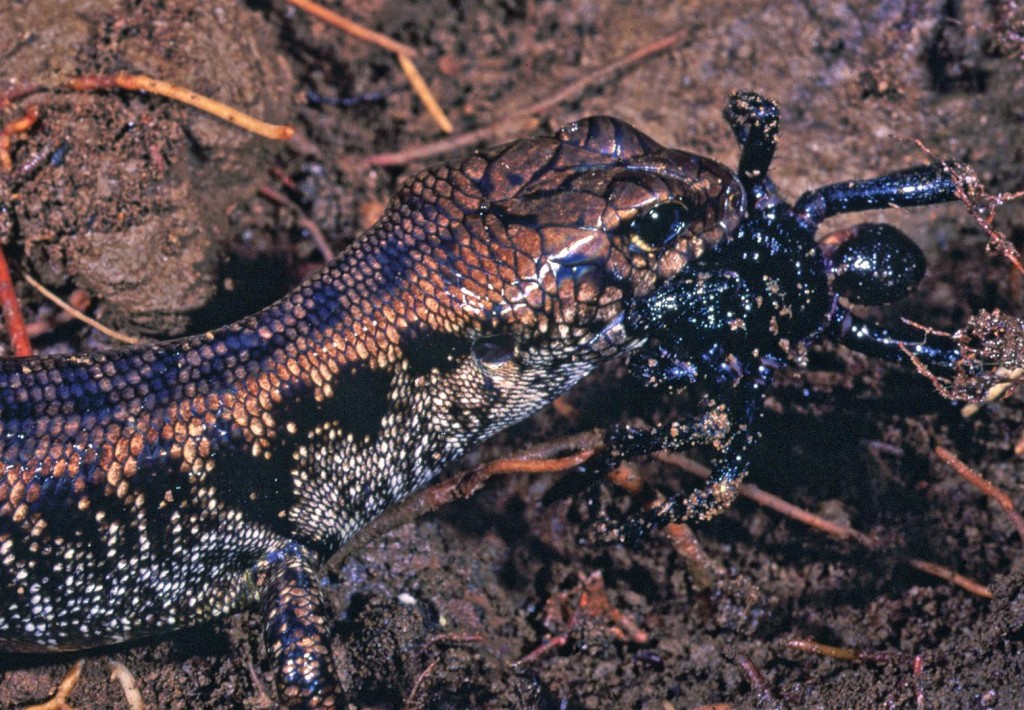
{"x": 448, "y": 613}
{"x": 131, "y": 198}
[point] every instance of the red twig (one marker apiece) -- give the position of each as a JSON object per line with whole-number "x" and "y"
{"x": 354, "y": 28}
{"x": 773, "y": 502}
{"x": 17, "y": 335}
{"x": 843, "y": 654}
{"x": 758, "y": 683}
{"x": 986, "y": 487}
{"x": 918, "y": 671}
{"x": 703, "y": 569}
{"x": 952, "y": 577}
{"x": 21, "y": 125}
{"x": 141, "y": 82}
{"x": 7, "y": 98}
{"x": 564, "y": 611}
{"x": 305, "y": 222}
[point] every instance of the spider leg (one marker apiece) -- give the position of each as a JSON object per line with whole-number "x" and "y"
{"x": 923, "y": 185}
{"x": 729, "y": 427}
{"x": 936, "y": 351}
{"x": 755, "y": 122}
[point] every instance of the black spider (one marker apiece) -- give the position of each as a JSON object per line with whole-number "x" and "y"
{"x": 757, "y": 300}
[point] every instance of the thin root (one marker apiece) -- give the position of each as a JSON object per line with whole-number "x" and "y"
{"x": 767, "y": 500}
{"x": 141, "y": 82}
{"x": 59, "y": 701}
{"x": 985, "y": 486}
{"x": 843, "y": 654}
{"x": 952, "y": 577}
{"x": 354, "y": 28}
{"x": 566, "y": 612}
{"x": 57, "y": 300}
{"x": 17, "y": 334}
{"x": 702, "y": 568}
{"x": 426, "y": 96}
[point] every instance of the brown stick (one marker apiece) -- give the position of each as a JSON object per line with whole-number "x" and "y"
{"x": 15, "y": 322}
{"x": 767, "y": 500}
{"x": 986, "y": 487}
{"x": 141, "y": 82}
{"x": 952, "y": 577}
{"x": 522, "y": 465}
{"x": 88, "y": 320}
{"x": 842, "y": 654}
{"x": 16, "y": 93}
{"x": 301, "y": 218}
{"x": 60, "y": 696}
{"x": 463, "y": 486}
{"x": 703, "y": 569}
{"x": 354, "y": 28}
{"x": 426, "y": 96}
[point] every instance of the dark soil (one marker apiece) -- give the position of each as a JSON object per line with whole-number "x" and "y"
{"x": 155, "y": 207}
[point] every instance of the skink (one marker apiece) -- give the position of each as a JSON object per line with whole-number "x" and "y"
{"x": 152, "y": 488}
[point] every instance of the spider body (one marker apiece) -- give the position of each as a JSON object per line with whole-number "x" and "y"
{"x": 730, "y": 318}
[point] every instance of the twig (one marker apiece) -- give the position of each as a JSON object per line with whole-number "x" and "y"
{"x": 843, "y": 654}
{"x": 13, "y": 319}
{"x": 317, "y": 235}
{"x": 758, "y": 683}
{"x": 952, "y": 577}
{"x": 21, "y": 125}
{"x": 917, "y": 669}
{"x": 767, "y": 500}
{"x": 986, "y": 487}
{"x": 545, "y": 647}
{"x": 354, "y": 28}
{"x": 59, "y": 700}
{"x": 141, "y": 82}
{"x": 493, "y": 130}
{"x": 419, "y": 85}
{"x": 463, "y": 486}
{"x": 7, "y": 98}
{"x": 402, "y": 51}
{"x": 523, "y": 465}
{"x": 79, "y": 298}
{"x": 106, "y": 330}
{"x": 563, "y": 611}
{"x": 262, "y": 700}
{"x": 413, "y": 699}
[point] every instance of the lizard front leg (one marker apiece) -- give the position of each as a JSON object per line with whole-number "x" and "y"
{"x": 297, "y": 622}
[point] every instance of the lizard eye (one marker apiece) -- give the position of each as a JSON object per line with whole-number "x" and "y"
{"x": 659, "y": 224}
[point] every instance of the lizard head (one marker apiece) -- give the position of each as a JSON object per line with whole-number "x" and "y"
{"x": 583, "y": 223}
{"x": 526, "y": 259}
